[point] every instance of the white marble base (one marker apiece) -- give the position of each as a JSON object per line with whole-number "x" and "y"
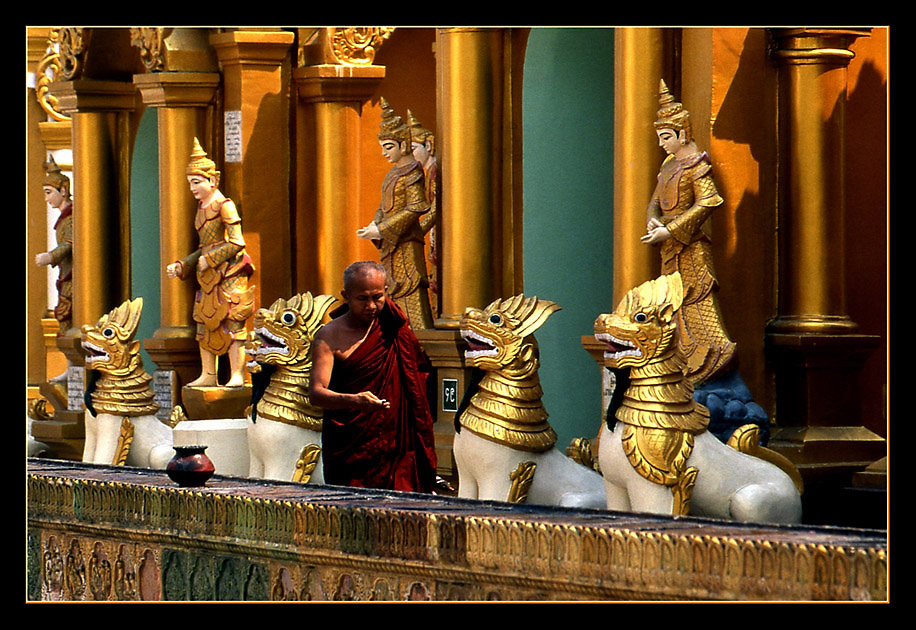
{"x": 226, "y": 441}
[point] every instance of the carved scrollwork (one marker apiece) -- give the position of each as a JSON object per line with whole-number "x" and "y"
{"x": 49, "y": 70}
{"x": 72, "y": 45}
{"x": 149, "y": 41}
{"x": 357, "y": 46}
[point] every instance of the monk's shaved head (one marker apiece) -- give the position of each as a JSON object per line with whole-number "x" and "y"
{"x": 360, "y": 269}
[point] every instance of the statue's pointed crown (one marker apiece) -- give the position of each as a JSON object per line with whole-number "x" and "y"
{"x": 392, "y": 126}
{"x": 418, "y": 132}
{"x": 200, "y": 164}
{"x": 671, "y": 114}
{"x": 54, "y": 176}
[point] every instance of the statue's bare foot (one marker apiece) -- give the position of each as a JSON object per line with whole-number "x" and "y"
{"x": 204, "y": 380}
{"x": 236, "y": 380}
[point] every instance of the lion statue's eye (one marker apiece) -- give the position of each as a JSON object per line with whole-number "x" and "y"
{"x": 641, "y": 318}
{"x": 108, "y": 333}
{"x": 288, "y": 318}
{"x": 495, "y": 319}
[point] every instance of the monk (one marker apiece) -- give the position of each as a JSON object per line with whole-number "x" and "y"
{"x": 369, "y": 374}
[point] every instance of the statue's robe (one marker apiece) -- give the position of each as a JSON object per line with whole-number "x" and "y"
{"x": 392, "y": 448}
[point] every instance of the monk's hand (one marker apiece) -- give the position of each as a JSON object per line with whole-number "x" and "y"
{"x": 368, "y": 400}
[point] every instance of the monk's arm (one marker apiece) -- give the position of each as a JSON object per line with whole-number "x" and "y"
{"x": 320, "y": 393}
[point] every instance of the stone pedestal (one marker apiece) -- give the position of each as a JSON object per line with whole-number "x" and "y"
{"x": 818, "y": 405}
{"x": 216, "y": 419}
{"x": 65, "y": 432}
{"x": 445, "y": 350}
{"x": 596, "y": 349}
{"x": 226, "y": 440}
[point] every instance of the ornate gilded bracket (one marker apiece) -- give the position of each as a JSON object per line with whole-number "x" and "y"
{"x": 50, "y": 69}
{"x": 350, "y": 46}
{"x": 149, "y": 41}
{"x": 72, "y": 44}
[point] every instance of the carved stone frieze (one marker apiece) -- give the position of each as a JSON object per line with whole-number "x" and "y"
{"x": 127, "y": 539}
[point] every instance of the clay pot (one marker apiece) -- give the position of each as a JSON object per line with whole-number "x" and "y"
{"x": 190, "y": 467}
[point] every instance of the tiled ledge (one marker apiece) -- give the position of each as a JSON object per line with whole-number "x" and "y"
{"x": 117, "y": 533}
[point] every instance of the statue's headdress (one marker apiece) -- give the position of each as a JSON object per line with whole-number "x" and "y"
{"x": 392, "y": 127}
{"x": 200, "y": 164}
{"x": 420, "y": 134}
{"x": 54, "y": 177}
{"x": 671, "y": 114}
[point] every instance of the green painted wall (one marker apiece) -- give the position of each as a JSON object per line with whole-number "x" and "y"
{"x": 144, "y": 228}
{"x": 568, "y": 156}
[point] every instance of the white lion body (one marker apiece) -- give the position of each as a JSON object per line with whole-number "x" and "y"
{"x": 484, "y": 467}
{"x": 275, "y": 448}
{"x": 730, "y": 484}
{"x": 151, "y": 446}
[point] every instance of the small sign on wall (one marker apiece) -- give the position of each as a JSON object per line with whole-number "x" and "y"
{"x": 450, "y": 394}
{"x": 232, "y": 126}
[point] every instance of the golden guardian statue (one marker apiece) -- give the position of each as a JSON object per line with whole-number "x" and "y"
{"x": 678, "y": 222}
{"x": 56, "y": 187}
{"x": 396, "y": 228}
{"x": 222, "y": 267}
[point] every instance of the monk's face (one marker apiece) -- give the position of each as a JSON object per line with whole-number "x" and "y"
{"x": 366, "y": 296}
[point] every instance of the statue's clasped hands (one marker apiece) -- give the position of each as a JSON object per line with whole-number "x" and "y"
{"x": 174, "y": 270}
{"x": 656, "y": 232}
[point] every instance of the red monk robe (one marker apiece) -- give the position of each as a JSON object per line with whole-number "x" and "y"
{"x": 390, "y": 448}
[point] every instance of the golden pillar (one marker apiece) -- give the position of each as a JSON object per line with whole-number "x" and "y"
{"x": 478, "y": 84}
{"x": 640, "y": 60}
{"x": 184, "y": 105}
{"x": 467, "y": 61}
{"x": 330, "y": 100}
{"x": 101, "y": 230}
{"x": 255, "y": 65}
{"x": 813, "y": 345}
{"x": 100, "y": 113}
{"x": 37, "y": 217}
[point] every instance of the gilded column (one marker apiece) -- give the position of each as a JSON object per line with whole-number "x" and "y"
{"x": 99, "y": 111}
{"x": 813, "y": 345}
{"x": 639, "y": 55}
{"x": 184, "y": 102}
{"x": 639, "y": 62}
{"x": 468, "y": 61}
{"x": 101, "y": 262}
{"x": 256, "y": 67}
{"x": 332, "y": 87}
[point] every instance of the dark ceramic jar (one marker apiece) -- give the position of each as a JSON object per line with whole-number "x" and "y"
{"x": 190, "y": 466}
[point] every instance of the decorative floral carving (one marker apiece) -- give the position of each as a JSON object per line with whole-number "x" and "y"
{"x": 149, "y": 41}
{"x": 357, "y": 46}
{"x": 49, "y": 70}
{"x": 72, "y": 45}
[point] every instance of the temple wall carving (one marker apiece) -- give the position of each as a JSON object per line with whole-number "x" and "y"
{"x": 98, "y": 534}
